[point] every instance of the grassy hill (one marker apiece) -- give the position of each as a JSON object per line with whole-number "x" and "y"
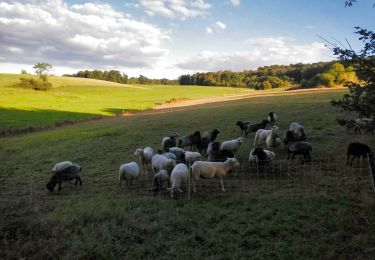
{"x": 323, "y": 209}
{"x": 74, "y": 99}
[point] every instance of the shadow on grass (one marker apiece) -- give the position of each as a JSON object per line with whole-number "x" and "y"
{"x": 16, "y": 121}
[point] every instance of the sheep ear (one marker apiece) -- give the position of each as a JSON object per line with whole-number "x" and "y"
{"x": 180, "y": 190}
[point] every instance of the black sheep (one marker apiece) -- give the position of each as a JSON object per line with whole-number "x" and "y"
{"x": 243, "y": 125}
{"x": 357, "y": 150}
{"x": 67, "y": 174}
{"x": 262, "y": 157}
{"x": 191, "y": 140}
{"x": 255, "y": 127}
{"x": 217, "y": 155}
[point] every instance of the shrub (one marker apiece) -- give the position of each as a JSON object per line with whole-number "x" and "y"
{"x": 36, "y": 84}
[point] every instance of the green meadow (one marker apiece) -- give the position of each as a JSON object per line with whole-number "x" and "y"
{"x": 323, "y": 209}
{"x": 73, "y": 99}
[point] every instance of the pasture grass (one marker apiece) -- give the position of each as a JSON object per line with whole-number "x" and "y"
{"x": 334, "y": 218}
{"x": 74, "y": 99}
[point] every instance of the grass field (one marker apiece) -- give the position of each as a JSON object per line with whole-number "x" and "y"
{"x": 74, "y": 99}
{"x": 102, "y": 221}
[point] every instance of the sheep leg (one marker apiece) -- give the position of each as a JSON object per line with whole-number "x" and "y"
{"x": 347, "y": 159}
{"x": 193, "y": 180}
{"x": 351, "y": 163}
{"x": 59, "y": 185}
{"x": 222, "y": 184}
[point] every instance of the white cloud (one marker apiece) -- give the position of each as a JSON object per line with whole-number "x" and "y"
{"x": 80, "y": 35}
{"x": 179, "y": 9}
{"x": 235, "y": 2}
{"x": 221, "y": 25}
{"x": 262, "y": 52}
{"x": 309, "y": 27}
{"x": 208, "y": 30}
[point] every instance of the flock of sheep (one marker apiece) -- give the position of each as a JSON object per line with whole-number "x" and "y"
{"x": 174, "y": 166}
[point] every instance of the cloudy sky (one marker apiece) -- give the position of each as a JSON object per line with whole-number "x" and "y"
{"x": 167, "y": 38}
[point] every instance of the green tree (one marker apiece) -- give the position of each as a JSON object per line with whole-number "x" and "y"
{"x": 42, "y": 68}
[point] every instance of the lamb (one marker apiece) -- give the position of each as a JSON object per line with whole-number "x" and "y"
{"x": 299, "y": 147}
{"x": 179, "y": 176}
{"x": 232, "y": 145}
{"x": 217, "y": 155}
{"x": 211, "y": 170}
{"x": 272, "y": 117}
{"x": 168, "y": 142}
{"x": 273, "y": 140}
{"x": 262, "y": 134}
{"x": 243, "y": 125}
{"x": 297, "y": 128}
{"x": 261, "y": 157}
{"x": 357, "y": 150}
{"x": 191, "y": 140}
{"x": 159, "y": 179}
{"x": 64, "y": 171}
{"x": 159, "y": 162}
{"x": 192, "y": 157}
{"x": 128, "y": 172}
{"x": 145, "y": 156}
{"x": 255, "y": 127}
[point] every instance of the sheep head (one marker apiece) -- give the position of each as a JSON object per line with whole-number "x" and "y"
{"x": 240, "y": 140}
{"x": 233, "y": 162}
{"x": 138, "y": 151}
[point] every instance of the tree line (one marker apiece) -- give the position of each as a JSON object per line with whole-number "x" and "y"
{"x": 328, "y": 74}
{"x": 118, "y": 77}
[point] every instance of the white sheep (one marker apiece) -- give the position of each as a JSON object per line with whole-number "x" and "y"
{"x": 265, "y": 157}
{"x": 169, "y": 155}
{"x": 262, "y": 134}
{"x": 129, "y": 172}
{"x": 145, "y": 156}
{"x": 211, "y": 169}
{"x": 297, "y": 128}
{"x": 232, "y": 145}
{"x": 192, "y": 157}
{"x": 179, "y": 176}
{"x": 273, "y": 139}
{"x": 159, "y": 162}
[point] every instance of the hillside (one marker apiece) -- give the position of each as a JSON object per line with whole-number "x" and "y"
{"x": 74, "y": 99}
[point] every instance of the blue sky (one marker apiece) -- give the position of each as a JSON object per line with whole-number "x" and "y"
{"x": 167, "y": 38}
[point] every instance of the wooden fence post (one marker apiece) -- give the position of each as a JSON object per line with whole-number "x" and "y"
{"x": 371, "y": 163}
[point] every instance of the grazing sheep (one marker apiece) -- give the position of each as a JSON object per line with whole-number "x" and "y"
{"x": 217, "y": 155}
{"x": 145, "y": 156}
{"x": 128, "y": 172}
{"x": 179, "y": 176}
{"x": 159, "y": 179}
{"x": 272, "y": 117}
{"x": 232, "y": 145}
{"x": 192, "y": 157}
{"x": 297, "y": 128}
{"x": 243, "y": 125}
{"x": 178, "y": 152}
{"x": 261, "y": 157}
{"x": 168, "y": 142}
{"x": 299, "y": 147}
{"x": 366, "y": 124}
{"x": 262, "y": 134}
{"x": 159, "y": 162}
{"x": 191, "y": 140}
{"x": 357, "y": 150}
{"x": 64, "y": 171}
{"x": 211, "y": 170}
{"x": 255, "y": 127}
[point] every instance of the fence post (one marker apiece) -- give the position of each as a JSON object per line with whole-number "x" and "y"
{"x": 371, "y": 164}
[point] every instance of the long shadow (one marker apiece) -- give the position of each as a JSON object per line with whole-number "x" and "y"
{"x": 16, "y": 121}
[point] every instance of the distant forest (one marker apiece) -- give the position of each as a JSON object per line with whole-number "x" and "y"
{"x": 321, "y": 74}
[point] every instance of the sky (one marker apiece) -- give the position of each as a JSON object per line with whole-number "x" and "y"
{"x": 168, "y": 38}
